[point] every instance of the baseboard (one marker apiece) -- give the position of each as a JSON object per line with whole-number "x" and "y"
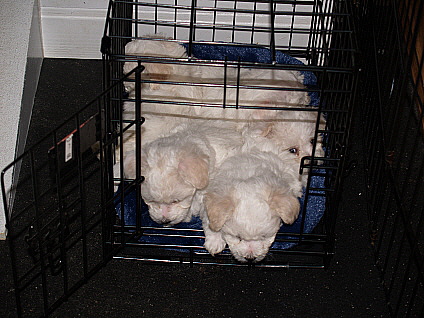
{"x": 72, "y": 32}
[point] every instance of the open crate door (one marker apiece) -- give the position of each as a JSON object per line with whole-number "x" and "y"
{"x": 59, "y": 209}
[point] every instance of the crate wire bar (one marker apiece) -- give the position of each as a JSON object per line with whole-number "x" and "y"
{"x": 318, "y": 34}
{"x": 392, "y": 96}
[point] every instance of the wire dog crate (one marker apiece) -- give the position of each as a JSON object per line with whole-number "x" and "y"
{"x": 392, "y": 96}
{"x": 316, "y": 36}
{"x": 63, "y": 232}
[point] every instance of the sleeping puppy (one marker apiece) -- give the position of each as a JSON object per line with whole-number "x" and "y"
{"x": 154, "y": 127}
{"x": 176, "y": 167}
{"x": 291, "y": 135}
{"x": 247, "y": 200}
{"x": 173, "y": 83}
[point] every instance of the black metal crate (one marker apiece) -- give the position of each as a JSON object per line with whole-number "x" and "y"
{"x": 61, "y": 232}
{"x": 318, "y": 34}
{"x": 391, "y": 34}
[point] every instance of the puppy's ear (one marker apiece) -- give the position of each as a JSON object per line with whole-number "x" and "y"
{"x": 219, "y": 209}
{"x": 194, "y": 169}
{"x": 285, "y": 205}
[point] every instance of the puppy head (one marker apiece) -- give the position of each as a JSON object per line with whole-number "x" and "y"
{"x": 249, "y": 217}
{"x": 292, "y": 135}
{"x": 172, "y": 178}
{"x": 298, "y": 139}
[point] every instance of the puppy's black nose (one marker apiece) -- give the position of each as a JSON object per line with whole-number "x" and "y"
{"x": 250, "y": 258}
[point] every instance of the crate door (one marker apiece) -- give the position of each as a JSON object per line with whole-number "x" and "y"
{"x": 60, "y": 209}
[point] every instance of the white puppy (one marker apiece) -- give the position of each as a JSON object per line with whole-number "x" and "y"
{"x": 166, "y": 104}
{"x": 290, "y": 136}
{"x": 176, "y": 89}
{"x": 246, "y": 202}
{"x": 174, "y": 83}
{"x": 177, "y": 166}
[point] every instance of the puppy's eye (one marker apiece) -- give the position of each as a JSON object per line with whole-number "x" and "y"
{"x": 312, "y": 141}
{"x": 293, "y": 150}
{"x": 175, "y": 201}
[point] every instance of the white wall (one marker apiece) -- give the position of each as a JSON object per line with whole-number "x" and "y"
{"x": 20, "y": 49}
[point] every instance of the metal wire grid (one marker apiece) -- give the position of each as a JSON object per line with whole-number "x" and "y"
{"x": 59, "y": 209}
{"x": 302, "y": 29}
{"x": 327, "y": 48}
{"x": 70, "y": 232}
{"x": 392, "y": 95}
{"x": 228, "y": 21}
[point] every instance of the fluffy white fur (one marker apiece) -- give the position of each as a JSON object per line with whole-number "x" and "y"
{"x": 157, "y": 48}
{"x": 163, "y": 95}
{"x": 251, "y": 193}
{"x": 253, "y": 94}
{"x": 166, "y": 106}
{"x": 176, "y": 167}
{"x": 164, "y": 69}
{"x": 247, "y": 199}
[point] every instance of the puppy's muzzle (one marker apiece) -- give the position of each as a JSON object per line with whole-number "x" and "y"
{"x": 250, "y": 258}
{"x": 164, "y": 221}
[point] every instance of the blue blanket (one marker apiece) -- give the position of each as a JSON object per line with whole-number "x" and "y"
{"x": 181, "y": 233}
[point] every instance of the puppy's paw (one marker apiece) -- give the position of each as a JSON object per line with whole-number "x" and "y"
{"x": 214, "y": 243}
